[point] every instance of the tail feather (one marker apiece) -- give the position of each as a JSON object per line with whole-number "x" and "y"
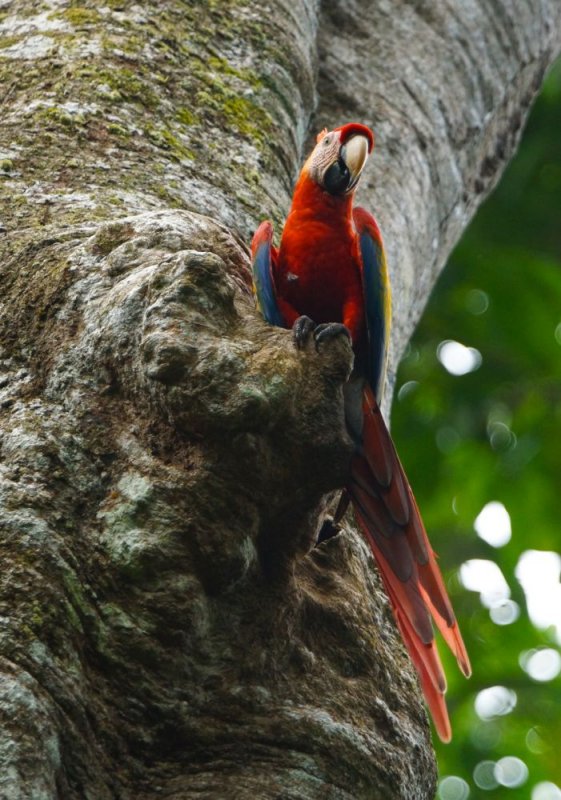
{"x": 436, "y": 596}
{"x": 433, "y": 695}
{"x": 450, "y": 633}
{"x": 407, "y": 601}
{"x": 428, "y": 665}
{"x": 424, "y": 656}
{"x": 390, "y": 520}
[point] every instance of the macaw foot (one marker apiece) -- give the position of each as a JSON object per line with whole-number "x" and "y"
{"x": 329, "y": 330}
{"x": 302, "y": 330}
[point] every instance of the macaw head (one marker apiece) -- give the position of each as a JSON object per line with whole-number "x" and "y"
{"x": 337, "y": 160}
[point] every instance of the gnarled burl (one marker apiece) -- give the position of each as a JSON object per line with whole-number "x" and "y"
{"x": 168, "y": 622}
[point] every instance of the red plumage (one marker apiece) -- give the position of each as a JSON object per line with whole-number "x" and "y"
{"x": 319, "y": 271}
{"x": 317, "y": 268}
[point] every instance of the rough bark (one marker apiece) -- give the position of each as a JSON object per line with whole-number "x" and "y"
{"x": 167, "y": 627}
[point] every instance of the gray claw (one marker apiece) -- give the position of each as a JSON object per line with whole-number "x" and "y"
{"x": 329, "y": 330}
{"x": 301, "y": 331}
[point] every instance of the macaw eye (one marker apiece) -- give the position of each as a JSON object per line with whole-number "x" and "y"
{"x": 326, "y": 140}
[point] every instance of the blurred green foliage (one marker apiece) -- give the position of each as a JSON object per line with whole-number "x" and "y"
{"x": 494, "y": 434}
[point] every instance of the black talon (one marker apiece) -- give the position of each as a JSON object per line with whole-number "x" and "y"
{"x": 331, "y": 525}
{"x": 329, "y": 330}
{"x": 301, "y": 331}
{"x": 328, "y": 530}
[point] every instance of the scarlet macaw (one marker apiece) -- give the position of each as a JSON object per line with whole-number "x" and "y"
{"x": 329, "y": 277}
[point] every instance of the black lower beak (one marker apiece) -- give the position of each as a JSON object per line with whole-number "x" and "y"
{"x": 337, "y": 177}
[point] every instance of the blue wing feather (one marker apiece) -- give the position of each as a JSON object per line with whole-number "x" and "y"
{"x": 377, "y": 298}
{"x": 262, "y": 253}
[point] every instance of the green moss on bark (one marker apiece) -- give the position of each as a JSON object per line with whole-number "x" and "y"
{"x": 79, "y": 16}
{"x": 182, "y": 82}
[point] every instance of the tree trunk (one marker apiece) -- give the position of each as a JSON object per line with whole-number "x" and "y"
{"x": 168, "y": 628}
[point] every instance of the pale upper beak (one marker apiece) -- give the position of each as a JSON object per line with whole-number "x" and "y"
{"x": 354, "y": 153}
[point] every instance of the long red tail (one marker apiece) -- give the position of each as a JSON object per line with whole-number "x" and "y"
{"x": 391, "y": 523}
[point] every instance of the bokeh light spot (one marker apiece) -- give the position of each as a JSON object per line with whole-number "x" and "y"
{"x": 492, "y": 524}
{"x": 496, "y": 701}
{"x": 477, "y": 301}
{"x": 511, "y": 772}
{"x": 484, "y": 775}
{"x": 538, "y": 573}
{"x": 407, "y": 389}
{"x": 546, "y": 791}
{"x": 535, "y": 742}
{"x": 505, "y": 613}
{"x": 453, "y": 788}
{"x": 501, "y": 438}
{"x": 485, "y": 577}
{"x": 458, "y": 359}
{"x": 485, "y": 735}
{"x": 541, "y": 665}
